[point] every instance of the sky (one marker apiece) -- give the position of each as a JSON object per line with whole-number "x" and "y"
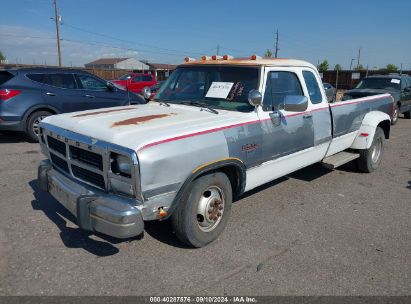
{"x": 164, "y": 31}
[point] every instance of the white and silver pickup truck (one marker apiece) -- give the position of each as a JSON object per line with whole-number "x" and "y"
{"x": 218, "y": 127}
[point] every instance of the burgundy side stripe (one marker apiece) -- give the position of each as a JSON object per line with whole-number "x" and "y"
{"x": 155, "y": 143}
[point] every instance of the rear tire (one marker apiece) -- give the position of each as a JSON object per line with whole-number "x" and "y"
{"x": 202, "y": 217}
{"x": 394, "y": 119}
{"x": 407, "y": 114}
{"x": 370, "y": 159}
{"x": 32, "y": 127}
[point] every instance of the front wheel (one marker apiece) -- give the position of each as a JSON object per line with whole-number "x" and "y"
{"x": 33, "y": 124}
{"x": 370, "y": 159}
{"x": 203, "y": 216}
{"x": 395, "y": 115}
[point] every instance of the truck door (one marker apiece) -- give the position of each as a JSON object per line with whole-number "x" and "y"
{"x": 294, "y": 133}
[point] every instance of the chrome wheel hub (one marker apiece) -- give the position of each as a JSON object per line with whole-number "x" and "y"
{"x": 210, "y": 208}
{"x": 36, "y": 124}
{"x": 376, "y": 151}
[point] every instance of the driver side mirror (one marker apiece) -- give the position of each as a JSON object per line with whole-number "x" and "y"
{"x": 255, "y": 98}
{"x": 295, "y": 103}
{"x": 110, "y": 86}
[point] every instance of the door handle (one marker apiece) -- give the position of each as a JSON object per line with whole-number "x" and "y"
{"x": 50, "y": 94}
{"x": 89, "y": 96}
{"x": 307, "y": 115}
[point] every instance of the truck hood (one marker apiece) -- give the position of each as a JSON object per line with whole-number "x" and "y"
{"x": 139, "y": 125}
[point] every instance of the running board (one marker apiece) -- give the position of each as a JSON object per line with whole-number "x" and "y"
{"x": 339, "y": 159}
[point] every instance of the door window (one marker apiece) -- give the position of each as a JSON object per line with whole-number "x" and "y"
{"x": 59, "y": 80}
{"x": 147, "y": 78}
{"x": 312, "y": 86}
{"x": 138, "y": 78}
{"x": 279, "y": 85}
{"x": 87, "y": 82}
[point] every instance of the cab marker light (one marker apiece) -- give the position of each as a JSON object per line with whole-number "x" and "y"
{"x": 204, "y": 58}
{"x": 255, "y": 57}
{"x": 216, "y": 57}
{"x": 189, "y": 59}
{"x": 227, "y": 57}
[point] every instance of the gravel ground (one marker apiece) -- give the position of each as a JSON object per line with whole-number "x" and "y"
{"x": 314, "y": 232}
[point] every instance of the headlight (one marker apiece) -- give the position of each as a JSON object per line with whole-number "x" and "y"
{"x": 121, "y": 165}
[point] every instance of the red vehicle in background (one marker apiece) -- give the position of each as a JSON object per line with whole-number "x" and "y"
{"x": 135, "y": 83}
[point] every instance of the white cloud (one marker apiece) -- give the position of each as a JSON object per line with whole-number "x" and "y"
{"x": 27, "y": 45}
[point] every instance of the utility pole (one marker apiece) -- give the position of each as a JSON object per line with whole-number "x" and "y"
{"x": 401, "y": 69}
{"x": 57, "y": 18}
{"x": 358, "y": 57}
{"x": 276, "y": 45}
{"x": 218, "y": 49}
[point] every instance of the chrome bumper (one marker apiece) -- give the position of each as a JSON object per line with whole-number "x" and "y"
{"x": 95, "y": 210}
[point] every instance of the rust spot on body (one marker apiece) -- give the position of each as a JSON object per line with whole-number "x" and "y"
{"x": 139, "y": 120}
{"x": 102, "y": 112}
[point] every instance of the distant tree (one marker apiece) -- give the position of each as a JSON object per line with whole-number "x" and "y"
{"x": 323, "y": 66}
{"x": 391, "y": 68}
{"x": 359, "y": 67}
{"x": 337, "y": 67}
{"x": 2, "y": 57}
{"x": 268, "y": 53}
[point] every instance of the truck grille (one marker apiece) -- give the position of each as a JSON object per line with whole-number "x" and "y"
{"x": 82, "y": 164}
{"x": 59, "y": 163}
{"x": 57, "y": 145}
{"x": 86, "y": 175}
{"x": 90, "y": 158}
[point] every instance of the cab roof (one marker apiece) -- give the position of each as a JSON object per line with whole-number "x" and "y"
{"x": 281, "y": 62}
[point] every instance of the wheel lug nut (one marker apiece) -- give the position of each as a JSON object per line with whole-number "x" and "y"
{"x": 220, "y": 208}
{"x": 219, "y": 214}
{"x": 210, "y": 211}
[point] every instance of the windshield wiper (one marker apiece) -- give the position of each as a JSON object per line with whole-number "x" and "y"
{"x": 163, "y": 103}
{"x": 202, "y": 105}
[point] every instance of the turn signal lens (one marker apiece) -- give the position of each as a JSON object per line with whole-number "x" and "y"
{"x": 255, "y": 57}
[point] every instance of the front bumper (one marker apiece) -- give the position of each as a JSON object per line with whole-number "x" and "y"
{"x": 95, "y": 210}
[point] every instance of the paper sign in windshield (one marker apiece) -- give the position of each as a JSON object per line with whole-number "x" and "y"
{"x": 219, "y": 89}
{"x": 397, "y": 81}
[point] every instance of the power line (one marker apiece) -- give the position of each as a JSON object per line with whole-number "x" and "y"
{"x": 127, "y": 41}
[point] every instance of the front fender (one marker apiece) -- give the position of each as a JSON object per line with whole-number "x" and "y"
{"x": 369, "y": 125}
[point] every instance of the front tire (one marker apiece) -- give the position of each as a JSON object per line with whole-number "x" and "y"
{"x": 370, "y": 159}
{"x": 33, "y": 122}
{"x": 202, "y": 217}
{"x": 394, "y": 119}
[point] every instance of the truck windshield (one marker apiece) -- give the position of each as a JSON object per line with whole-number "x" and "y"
{"x": 379, "y": 83}
{"x": 217, "y": 86}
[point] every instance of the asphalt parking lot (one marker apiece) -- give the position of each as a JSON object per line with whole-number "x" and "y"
{"x": 315, "y": 232}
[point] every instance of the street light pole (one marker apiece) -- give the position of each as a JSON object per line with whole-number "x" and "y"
{"x": 351, "y": 63}
{"x": 56, "y": 18}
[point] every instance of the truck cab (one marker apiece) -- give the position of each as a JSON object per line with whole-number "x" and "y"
{"x": 135, "y": 82}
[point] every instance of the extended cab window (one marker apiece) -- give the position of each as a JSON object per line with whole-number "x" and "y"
{"x": 312, "y": 86}
{"x": 87, "y": 82}
{"x": 279, "y": 85}
{"x": 138, "y": 78}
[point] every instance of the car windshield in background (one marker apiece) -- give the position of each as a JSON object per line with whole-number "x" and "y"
{"x": 219, "y": 87}
{"x": 379, "y": 83}
{"x": 125, "y": 77}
